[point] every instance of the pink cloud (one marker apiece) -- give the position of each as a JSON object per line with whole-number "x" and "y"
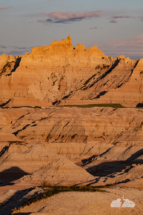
{"x": 65, "y": 17}
{"x": 5, "y": 8}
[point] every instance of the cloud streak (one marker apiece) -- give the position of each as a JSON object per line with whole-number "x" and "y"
{"x": 5, "y": 8}
{"x": 93, "y": 28}
{"x": 113, "y": 19}
{"x": 65, "y": 17}
{"x": 14, "y": 50}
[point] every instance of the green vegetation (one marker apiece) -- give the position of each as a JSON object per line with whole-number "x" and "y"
{"x": 98, "y": 73}
{"x": 94, "y": 105}
{"x": 53, "y": 190}
{"x": 88, "y": 80}
{"x": 58, "y": 189}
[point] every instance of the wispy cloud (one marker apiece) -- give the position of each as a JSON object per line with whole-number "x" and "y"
{"x": 65, "y": 17}
{"x": 93, "y": 28}
{"x": 5, "y": 8}
{"x": 3, "y": 47}
{"x": 113, "y": 19}
{"x": 14, "y": 50}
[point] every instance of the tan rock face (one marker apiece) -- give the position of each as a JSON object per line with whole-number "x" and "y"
{"x": 60, "y": 72}
{"x": 131, "y": 93}
{"x": 50, "y": 73}
{"x": 79, "y": 125}
{"x": 80, "y": 145}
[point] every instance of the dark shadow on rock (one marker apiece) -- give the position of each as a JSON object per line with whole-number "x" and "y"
{"x": 106, "y": 73}
{"x": 90, "y": 159}
{"x": 34, "y": 125}
{"x": 56, "y": 102}
{"x": 112, "y": 167}
{"x": 3, "y": 150}
{"x": 9, "y": 175}
{"x": 16, "y": 132}
{"x": 133, "y": 69}
{"x": 101, "y": 94}
{"x": 17, "y": 200}
{"x": 17, "y": 62}
{"x": 93, "y": 182}
{"x": 140, "y": 105}
{"x": 67, "y": 96}
{"x": 136, "y": 155}
{"x": 128, "y": 77}
{"x": 120, "y": 85}
{"x": 2, "y": 105}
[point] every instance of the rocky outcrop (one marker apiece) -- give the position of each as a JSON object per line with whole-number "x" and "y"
{"x": 50, "y": 73}
{"x": 60, "y": 73}
{"x": 94, "y": 141}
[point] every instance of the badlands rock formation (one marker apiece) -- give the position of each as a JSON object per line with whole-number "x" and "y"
{"x": 70, "y": 117}
{"x": 61, "y": 73}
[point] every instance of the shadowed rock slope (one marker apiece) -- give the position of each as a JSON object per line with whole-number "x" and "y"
{"x": 59, "y": 142}
{"x": 81, "y": 125}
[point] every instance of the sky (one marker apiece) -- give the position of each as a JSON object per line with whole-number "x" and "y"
{"x": 115, "y": 27}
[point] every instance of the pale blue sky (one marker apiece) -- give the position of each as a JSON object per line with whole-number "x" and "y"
{"x": 116, "y": 27}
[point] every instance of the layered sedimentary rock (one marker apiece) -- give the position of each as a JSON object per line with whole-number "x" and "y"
{"x": 45, "y": 74}
{"x": 131, "y": 92}
{"x": 80, "y": 145}
{"x": 106, "y": 142}
{"x": 19, "y": 160}
{"x": 81, "y": 125}
{"x": 60, "y": 73}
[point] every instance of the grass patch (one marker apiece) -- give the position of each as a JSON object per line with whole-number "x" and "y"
{"x": 53, "y": 190}
{"x": 94, "y": 105}
{"x": 59, "y": 189}
{"x": 88, "y": 80}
